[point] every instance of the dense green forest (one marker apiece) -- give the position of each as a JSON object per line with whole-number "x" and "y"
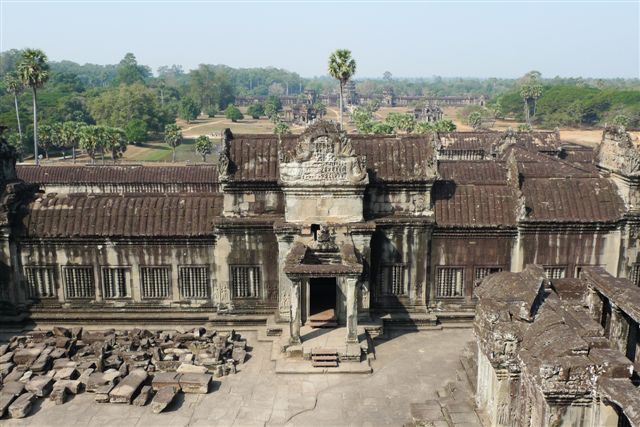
{"x": 130, "y": 97}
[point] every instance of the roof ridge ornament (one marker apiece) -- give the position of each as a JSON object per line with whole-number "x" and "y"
{"x": 617, "y": 152}
{"x": 322, "y": 155}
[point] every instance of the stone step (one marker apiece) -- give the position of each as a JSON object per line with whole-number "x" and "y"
{"x": 321, "y": 324}
{"x": 333, "y": 364}
{"x": 324, "y": 352}
{"x": 317, "y": 358}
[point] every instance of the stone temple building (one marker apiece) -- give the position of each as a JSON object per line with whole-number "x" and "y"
{"x": 558, "y": 352}
{"x": 358, "y": 228}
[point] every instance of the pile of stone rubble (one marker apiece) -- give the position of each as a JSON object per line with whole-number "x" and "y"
{"x": 119, "y": 366}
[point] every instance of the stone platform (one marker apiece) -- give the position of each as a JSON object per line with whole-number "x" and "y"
{"x": 296, "y": 359}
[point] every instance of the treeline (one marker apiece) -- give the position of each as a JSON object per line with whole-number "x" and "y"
{"x": 573, "y": 102}
{"x": 128, "y": 96}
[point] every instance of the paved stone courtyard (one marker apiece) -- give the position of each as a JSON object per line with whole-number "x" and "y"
{"x": 409, "y": 368}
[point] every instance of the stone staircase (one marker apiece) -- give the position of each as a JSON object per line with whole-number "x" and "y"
{"x": 324, "y": 319}
{"x": 324, "y": 358}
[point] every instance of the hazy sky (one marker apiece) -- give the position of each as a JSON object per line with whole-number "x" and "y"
{"x": 483, "y": 39}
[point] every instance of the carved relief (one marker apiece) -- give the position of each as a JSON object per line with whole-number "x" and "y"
{"x": 617, "y": 152}
{"x": 322, "y": 155}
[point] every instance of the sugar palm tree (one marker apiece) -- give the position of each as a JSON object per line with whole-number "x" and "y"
{"x": 70, "y": 134}
{"x": 33, "y": 70}
{"x": 14, "y": 87}
{"x": 173, "y": 138}
{"x": 342, "y": 67}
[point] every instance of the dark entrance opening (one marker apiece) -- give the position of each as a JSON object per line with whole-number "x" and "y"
{"x": 322, "y": 295}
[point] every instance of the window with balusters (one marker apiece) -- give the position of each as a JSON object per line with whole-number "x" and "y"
{"x": 40, "y": 281}
{"x": 634, "y": 274}
{"x": 155, "y": 282}
{"x": 245, "y": 281}
{"x": 79, "y": 282}
{"x": 555, "y": 272}
{"x": 193, "y": 281}
{"x": 115, "y": 282}
{"x": 392, "y": 279}
{"x": 449, "y": 282}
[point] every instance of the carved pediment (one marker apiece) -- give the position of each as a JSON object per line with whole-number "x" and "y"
{"x": 617, "y": 152}
{"x": 322, "y": 155}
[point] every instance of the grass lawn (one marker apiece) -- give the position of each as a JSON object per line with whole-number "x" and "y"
{"x": 161, "y": 152}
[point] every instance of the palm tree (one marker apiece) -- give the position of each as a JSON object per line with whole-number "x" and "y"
{"x": 92, "y": 140}
{"x": 173, "y": 138}
{"x": 70, "y": 135}
{"x": 14, "y": 87}
{"x": 342, "y": 67}
{"x": 34, "y": 73}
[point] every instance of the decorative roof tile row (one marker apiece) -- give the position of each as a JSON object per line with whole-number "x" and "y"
{"x": 79, "y": 215}
{"x": 117, "y": 174}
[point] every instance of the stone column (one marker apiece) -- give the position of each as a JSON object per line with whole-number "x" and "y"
{"x": 285, "y": 238}
{"x": 295, "y": 315}
{"x": 352, "y": 309}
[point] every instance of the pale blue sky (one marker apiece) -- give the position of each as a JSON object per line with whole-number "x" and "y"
{"x": 482, "y": 39}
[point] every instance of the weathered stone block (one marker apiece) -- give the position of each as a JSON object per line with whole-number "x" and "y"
{"x": 162, "y": 399}
{"x": 12, "y": 387}
{"x": 64, "y": 363}
{"x": 67, "y": 374}
{"x": 5, "y": 400}
{"x": 72, "y": 386}
{"x": 143, "y": 397}
{"x": 102, "y": 393}
{"x": 15, "y": 374}
{"x": 128, "y": 387}
{"x": 166, "y": 379}
{"x": 26, "y": 377}
{"x": 21, "y": 407}
{"x": 94, "y": 381}
{"x": 239, "y": 355}
{"x": 167, "y": 365}
{"x": 195, "y": 383}
{"x": 42, "y": 363}
{"x": 191, "y": 369}
{"x": 59, "y": 331}
{"x": 7, "y": 357}
{"x": 59, "y": 395}
{"x": 26, "y": 356}
{"x": 6, "y": 368}
{"x": 41, "y": 386}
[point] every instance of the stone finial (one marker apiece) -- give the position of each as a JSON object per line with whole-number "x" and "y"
{"x": 617, "y": 152}
{"x": 224, "y": 161}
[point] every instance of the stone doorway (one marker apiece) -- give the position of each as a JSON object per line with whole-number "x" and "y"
{"x": 322, "y": 302}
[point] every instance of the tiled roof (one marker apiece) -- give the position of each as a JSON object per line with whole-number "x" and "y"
{"x": 403, "y": 158}
{"x": 572, "y": 200}
{"x": 79, "y": 215}
{"x": 577, "y": 154}
{"x": 536, "y": 165}
{"x": 255, "y": 157}
{"x": 468, "y": 140}
{"x": 537, "y": 140}
{"x": 473, "y": 205}
{"x": 473, "y": 171}
{"x": 117, "y": 174}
